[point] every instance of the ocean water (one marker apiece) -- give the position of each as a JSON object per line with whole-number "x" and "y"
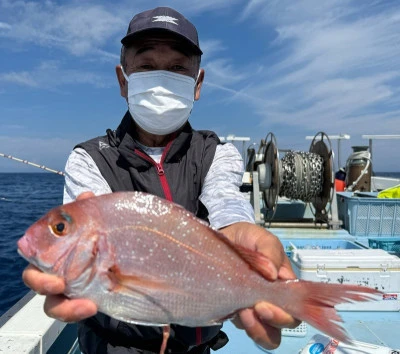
{"x": 24, "y": 198}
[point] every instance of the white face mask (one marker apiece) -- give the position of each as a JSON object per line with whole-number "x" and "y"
{"x": 160, "y": 101}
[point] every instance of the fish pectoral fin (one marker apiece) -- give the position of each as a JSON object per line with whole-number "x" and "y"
{"x": 121, "y": 282}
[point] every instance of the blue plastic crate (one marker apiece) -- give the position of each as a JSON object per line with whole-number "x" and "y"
{"x": 369, "y": 216}
{"x": 318, "y": 244}
{"x": 389, "y": 244}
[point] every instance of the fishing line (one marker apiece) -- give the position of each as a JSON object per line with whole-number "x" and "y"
{"x": 32, "y": 164}
{"x": 42, "y": 167}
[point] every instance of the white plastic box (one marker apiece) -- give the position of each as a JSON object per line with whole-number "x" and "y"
{"x": 374, "y": 268}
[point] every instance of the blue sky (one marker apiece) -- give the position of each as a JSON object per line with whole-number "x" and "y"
{"x": 293, "y": 68}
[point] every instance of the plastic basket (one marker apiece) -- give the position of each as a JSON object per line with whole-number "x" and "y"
{"x": 317, "y": 244}
{"x": 389, "y": 244}
{"x": 368, "y": 216}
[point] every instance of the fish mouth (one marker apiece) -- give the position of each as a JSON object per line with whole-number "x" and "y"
{"x": 29, "y": 254}
{"x": 23, "y": 255}
{"x": 25, "y": 250}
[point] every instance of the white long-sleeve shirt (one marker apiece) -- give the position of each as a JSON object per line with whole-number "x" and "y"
{"x": 220, "y": 194}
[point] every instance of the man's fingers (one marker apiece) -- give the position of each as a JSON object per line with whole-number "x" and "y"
{"x": 56, "y": 305}
{"x": 85, "y": 195}
{"x": 266, "y": 336}
{"x": 42, "y": 283}
{"x": 69, "y": 310}
{"x": 286, "y": 270}
{"x": 274, "y": 316}
{"x": 263, "y": 324}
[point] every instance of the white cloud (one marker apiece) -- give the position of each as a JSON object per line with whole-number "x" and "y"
{"x": 78, "y": 29}
{"x": 22, "y": 78}
{"x": 5, "y": 26}
{"x": 340, "y": 68}
{"x": 211, "y": 48}
{"x": 223, "y": 72}
{"x": 81, "y": 27}
{"x": 195, "y": 7}
{"x": 336, "y": 71}
{"x": 288, "y": 12}
{"x": 50, "y": 75}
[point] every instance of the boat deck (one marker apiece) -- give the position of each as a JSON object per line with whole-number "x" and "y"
{"x": 379, "y": 328}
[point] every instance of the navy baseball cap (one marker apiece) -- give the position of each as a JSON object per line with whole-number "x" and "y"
{"x": 163, "y": 18}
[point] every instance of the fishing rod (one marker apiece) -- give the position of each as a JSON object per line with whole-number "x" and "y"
{"x": 32, "y": 164}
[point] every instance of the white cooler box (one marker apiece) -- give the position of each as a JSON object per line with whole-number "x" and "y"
{"x": 374, "y": 268}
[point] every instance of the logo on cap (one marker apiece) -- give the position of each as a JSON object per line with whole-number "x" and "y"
{"x": 168, "y": 19}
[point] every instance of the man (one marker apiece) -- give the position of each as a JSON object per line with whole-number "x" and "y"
{"x": 155, "y": 150}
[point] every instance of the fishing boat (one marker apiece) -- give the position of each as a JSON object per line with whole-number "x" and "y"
{"x": 330, "y": 233}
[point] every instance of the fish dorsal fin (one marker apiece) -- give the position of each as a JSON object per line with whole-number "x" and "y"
{"x": 257, "y": 261}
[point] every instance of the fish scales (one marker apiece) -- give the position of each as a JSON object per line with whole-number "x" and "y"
{"x": 172, "y": 245}
{"x": 145, "y": 260}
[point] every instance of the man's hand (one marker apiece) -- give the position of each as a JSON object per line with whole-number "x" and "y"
{"x": 57, "y": 305}
{"x": 264, "y": 321}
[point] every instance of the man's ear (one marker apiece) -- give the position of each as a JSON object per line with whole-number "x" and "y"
{"x": 123, "y": 84}
{"x": 199, "y": 84}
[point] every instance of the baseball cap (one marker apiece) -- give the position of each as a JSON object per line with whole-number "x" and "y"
{"x": 163, "y": 18}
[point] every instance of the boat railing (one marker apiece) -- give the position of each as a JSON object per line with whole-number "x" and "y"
{"x": 25, "y": 328}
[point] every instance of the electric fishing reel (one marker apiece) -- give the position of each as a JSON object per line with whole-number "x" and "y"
{"x": 305, "y": 176}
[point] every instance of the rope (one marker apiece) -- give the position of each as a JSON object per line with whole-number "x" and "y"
{"x": 32, "y": 164}
{"x": 359, "y": 155}
{"x": 301, "y": 175}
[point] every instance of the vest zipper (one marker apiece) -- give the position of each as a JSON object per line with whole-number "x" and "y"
{"x": 168, "y": 196}
{"x": 160, "y": 169}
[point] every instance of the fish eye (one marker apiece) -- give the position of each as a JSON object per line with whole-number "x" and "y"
{"x": 60, "y": 225}
{"x": 59, "y": 228}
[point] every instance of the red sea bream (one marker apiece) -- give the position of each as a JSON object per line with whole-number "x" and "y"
{"x": 148, "y": 261}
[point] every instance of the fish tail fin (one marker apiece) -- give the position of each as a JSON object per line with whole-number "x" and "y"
{"x": 314, "y": 303}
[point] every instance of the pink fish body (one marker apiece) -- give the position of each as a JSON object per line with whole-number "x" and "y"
{"x": 148, "y": 261}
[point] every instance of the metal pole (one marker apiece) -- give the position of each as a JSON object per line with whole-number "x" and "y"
{"x": 379, "y": 136}
{"x": 370, "y": 147}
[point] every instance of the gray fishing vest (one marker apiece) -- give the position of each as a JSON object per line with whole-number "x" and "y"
{"x": 179, "y": 177}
